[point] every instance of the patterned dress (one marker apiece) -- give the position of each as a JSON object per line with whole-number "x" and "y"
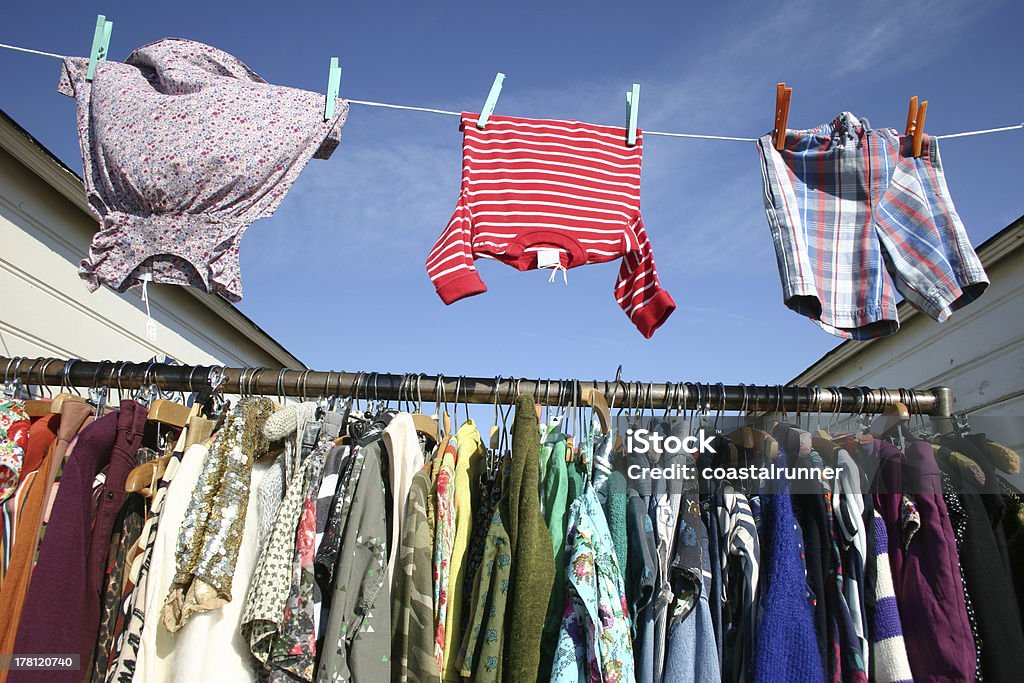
{"x": 444, "y": 541}
{"x": 594, "y": 642}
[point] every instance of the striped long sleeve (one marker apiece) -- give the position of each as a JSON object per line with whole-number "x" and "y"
{"x": 567, "y": 188}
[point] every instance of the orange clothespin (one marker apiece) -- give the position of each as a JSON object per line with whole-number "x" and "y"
{"x": 915, "y": 123}
{"x": 782, "y": 99}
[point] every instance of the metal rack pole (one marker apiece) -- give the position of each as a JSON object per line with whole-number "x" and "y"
{"x": 57, "y": 372}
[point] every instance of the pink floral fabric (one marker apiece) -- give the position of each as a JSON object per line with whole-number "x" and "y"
{"x": 183, "y": 148}
{"x": 444, "y": 542}
{"x": 14, "y": 424}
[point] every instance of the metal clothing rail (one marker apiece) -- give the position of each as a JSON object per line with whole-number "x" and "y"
{"x": 58, "y": 372}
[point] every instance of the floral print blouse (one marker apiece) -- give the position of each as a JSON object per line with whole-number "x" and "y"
{"x": 14, "y": 424}
{"x": 594, "y": 642}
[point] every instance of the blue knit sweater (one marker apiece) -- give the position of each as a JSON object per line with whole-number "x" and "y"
{"x": 787, "y": 648}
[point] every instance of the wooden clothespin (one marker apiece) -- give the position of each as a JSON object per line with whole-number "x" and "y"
{"x": 782, "y": 99}
{"x": 100, "y": 45}
{"x": 632, "y": 114}
{"x": 915, "y": 123}
{"x": 491, "y": 102}
{"x": 333, "y": 86}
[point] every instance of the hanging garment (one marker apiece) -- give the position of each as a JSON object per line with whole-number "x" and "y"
{"x": 594, "y": 642}
{"x": 846, "y": 204}
{"x": 210, "y": 539}
{"x": 73, "y": 556}
{"x": 485, "y": 636}
{"x": 786, "y": 647}
{"x": 41, "y": 434}
{"x": 533, "y": 565}
{"x": 981, "y": 546}
{"x": 14, "y": 426}
{"x": 127, "y": 528}
{"x": 444, "y": 542}
{"x": 210, "y": 646}
{"x": 293, "y": 653}
{"x": 330, "y": 484}
{"x": 889, "y": 663}
{"x": 30, "y": 519}
{"x": 554, "y": 476}
{"x": 412, "y": 600}
{"x": 740, "y": 557}
{"x": 690, "y": 654}
{"x": 183, "y": 148}
{"x": 849, "y": 503}
{"x": 155, "y": 643}
{"x": 925, "y": 563}
{"x": 404, "y": 458}
{"x": 357, "y": 640}
{"x": 128, "y": 631}
{"x": 539, "y": 193}
{"x": 468, "y": 468}
{"x": 272, "y": 580}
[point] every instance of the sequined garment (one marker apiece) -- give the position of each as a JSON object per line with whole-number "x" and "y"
{"x": 210, "y": 537}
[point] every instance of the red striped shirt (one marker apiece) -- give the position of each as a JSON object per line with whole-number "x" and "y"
{"x": 530, "y": 184}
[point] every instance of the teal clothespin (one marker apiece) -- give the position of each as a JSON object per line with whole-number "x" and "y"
{"x": 491, "y": 102}
{"x": 333, "y": 85}
{"x": 100, "y": 45}
{"x": 632, "y": 112}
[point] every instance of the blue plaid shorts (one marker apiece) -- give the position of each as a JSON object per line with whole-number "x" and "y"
{"x": 852, "y": 214}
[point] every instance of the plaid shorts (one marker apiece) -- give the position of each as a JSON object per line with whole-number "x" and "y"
{"x": 849, "y": 207}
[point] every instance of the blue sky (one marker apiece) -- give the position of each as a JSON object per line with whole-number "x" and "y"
{"x": 337, "y": 274}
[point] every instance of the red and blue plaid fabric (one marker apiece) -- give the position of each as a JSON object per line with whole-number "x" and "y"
{"x": 854, "y": 214}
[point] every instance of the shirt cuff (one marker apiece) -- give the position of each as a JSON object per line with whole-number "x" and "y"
{"x": 654, "y": 313}
{"x": 460, "y": 286}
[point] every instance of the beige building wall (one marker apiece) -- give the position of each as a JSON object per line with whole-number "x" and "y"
{"x": 45, "y": 308}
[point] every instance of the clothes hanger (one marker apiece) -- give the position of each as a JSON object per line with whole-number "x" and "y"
{"x": 888, "y": 422}
{"x": 820, "y": 440}
{"x": 743, "y": 436}
{"x": 425, "y": 425}
{"x": 58, "y": 401}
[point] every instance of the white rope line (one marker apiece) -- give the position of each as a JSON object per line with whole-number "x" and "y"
{"x": 33, "y": 52}
{"x": 700, "y": 137}
{"x": 403, "y": 106}
{"x": 694, "y": 136}
{"x": 1019, "y": 126}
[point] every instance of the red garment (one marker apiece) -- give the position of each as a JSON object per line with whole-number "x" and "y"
{"x": 40, "y": 435}
{"x": 530, "y": 184}
{"x": 73, "y": 552}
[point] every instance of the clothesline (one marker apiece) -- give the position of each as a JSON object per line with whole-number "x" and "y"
{"x": 445, "y": 112}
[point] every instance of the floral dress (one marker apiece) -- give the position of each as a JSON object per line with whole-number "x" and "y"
{"x": 444, "y": 541}
{"x": 594, "y": 643}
